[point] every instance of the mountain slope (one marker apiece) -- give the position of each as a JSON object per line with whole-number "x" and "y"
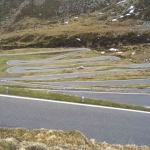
{"x": 16, "y": 10}
{"x": 59, "y": 23}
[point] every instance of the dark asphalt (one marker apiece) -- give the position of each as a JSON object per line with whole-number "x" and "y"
{"x": 112, "y": 126}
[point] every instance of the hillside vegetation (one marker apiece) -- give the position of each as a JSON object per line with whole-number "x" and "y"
{"x": 50, "y": 9}
{"x": 77, "y": 23}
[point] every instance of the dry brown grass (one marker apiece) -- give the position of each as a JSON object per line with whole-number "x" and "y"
{"x": 22, "y": 139}
{"x": 79, "y": 55}
{"x": 26, "y": 50}
{"x": 142, "y": 52}
{"x": 82, "y": 25}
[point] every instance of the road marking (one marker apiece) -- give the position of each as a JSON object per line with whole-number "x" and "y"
{"x": 8, "y": 70}
{"x": 71, "y": 103}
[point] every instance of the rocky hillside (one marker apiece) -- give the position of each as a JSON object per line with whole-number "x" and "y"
{"x": 16, "y": 10}
{"x": 60, "y": 23}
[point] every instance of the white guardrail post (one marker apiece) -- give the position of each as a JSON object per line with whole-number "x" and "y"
{"x": 82, "y": 99}
{"x": 7, "y": 90}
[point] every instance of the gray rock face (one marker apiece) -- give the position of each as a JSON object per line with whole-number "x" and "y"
{"x": 80, "y": 6}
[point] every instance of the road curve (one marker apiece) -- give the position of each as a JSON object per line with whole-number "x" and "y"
{"x": 101, "y": 58}
{"x": 68, "y": 75}
{"x": 115, "y": 126}
{"x": 17, "y": 62}
{"x": 48, "y": 52}
{"x": 24, "y": 69}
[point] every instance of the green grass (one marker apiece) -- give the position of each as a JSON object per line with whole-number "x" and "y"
{"x": 26, "y": 92}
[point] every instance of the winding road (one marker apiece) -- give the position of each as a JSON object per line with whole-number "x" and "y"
{"x": 101, "y": 123}
{"x": 122, "y": 95}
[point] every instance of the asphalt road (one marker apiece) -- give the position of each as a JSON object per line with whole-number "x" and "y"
{"x": 80, "y": 83}
{"x": 97, "y": 83}
{"x": 114, "y": 126}
{"x": 24, "y": 69}
{"x": 68, "y": 75}
{"x": 46, "y": 52}
{"x": 50, "y": 68}
{"x": 135, "y": 96}
{"x": 138, "y": 99}
{"x": 101, "y": 58}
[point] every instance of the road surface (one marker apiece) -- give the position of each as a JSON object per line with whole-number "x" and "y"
{"x": 138, "y": 99}
{"x": 115, "y": 126}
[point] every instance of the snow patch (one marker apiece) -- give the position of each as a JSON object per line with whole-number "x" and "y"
{"x": 131, "y": 7}
{"x": 78, "y": 39}
{"x": 114, "y": 20}
{"x": 119, "y": 52}
{"x": 66, "y": 22}
{"x": 113, "y": 49}
{"x": 103, "y": 52}
{"x": 128, "y": 14}
{"x": 121, "y": 16}
{"x": 121, "y": 2}
{"x": 131, "y": 11}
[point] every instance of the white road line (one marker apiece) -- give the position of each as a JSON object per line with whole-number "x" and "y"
{"x": 8, "y": 70}
{"x": 76, "y": 104}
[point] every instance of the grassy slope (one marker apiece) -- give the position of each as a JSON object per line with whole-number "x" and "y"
{"x": 34, "y": 33}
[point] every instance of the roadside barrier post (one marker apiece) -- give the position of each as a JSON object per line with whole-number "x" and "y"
{"x": 82, "y": 99}
{"x": 7, "y": 90}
